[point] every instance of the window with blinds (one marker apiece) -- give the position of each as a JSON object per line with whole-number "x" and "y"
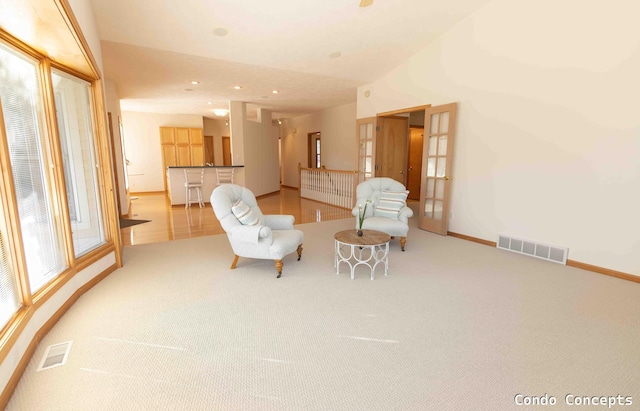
{"x": 74, "y": 115}
{"x": 22, "y": 112}
{"x": 9, "y": 302}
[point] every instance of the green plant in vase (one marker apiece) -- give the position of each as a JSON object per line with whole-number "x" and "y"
{"x": 361, "y": 214}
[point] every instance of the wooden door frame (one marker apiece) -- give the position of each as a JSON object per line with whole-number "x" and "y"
{"x": 419, "y": 171}
{"x": 115, "y": 168}
{"x": 408, "y": 110}
{"x": 403, "y": 111}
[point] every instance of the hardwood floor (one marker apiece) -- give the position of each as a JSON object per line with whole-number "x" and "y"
{"x": 173, "y": 223}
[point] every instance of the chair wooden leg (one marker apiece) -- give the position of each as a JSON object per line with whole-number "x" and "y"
{"x": 403, "y": 241}
{"x": 235, "y": 261}
{"x": 299, "y": 251}
{"x": 279, "y": 267}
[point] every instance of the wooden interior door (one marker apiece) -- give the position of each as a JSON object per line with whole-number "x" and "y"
{"x": 414, "y": 169}
{"x": 391, "y": 148}
{"x": 208, "y": 150}
{"x": 226, "y": 151}
{"x": 437, "y": 157}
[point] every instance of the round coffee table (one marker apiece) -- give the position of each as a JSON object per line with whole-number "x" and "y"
{"x": 371, "y": 249}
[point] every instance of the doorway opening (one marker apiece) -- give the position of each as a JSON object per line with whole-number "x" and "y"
{"x": 313, "y": 149}
{"x": 399, "y": 145}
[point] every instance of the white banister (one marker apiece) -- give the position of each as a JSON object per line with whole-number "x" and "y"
{"x": 335, "y": 187}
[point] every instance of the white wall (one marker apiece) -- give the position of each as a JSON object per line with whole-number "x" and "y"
{"x": 261, "y": 166}
{"x": 142, "y": 144}
{"x": 548, "y": 131}
{"x": 337, "y": 127}
{"x": 254, "y": 144}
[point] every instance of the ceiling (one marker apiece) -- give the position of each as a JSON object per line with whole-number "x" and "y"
{"x": 153, "y": 49}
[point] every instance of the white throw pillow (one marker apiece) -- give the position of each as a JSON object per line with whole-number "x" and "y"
{"x": 390, "y": 204}
{"x": 243, "y": 213}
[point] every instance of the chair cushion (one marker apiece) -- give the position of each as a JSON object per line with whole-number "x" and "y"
{"x": 244, "y": 214}
{"x": 386, "y": 225}
{"x": 390, "y": 204}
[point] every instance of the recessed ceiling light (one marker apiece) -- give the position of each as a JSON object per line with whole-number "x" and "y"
{"x": 195, "y": 82}
{"x": 275, "y": 91}
{"x": 335, "y": 55}
{"x": 237, "y": 87}
{"x": 208, "y": 102}
{"x": 220, "y": 112}
{"x": 220, "y": 31}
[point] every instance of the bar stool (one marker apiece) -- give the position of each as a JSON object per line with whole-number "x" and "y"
{"x": 193, "y": 179}
{"x": 224, "y": 175}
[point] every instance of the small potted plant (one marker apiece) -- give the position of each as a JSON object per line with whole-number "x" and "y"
{"x": 361, "y": 213}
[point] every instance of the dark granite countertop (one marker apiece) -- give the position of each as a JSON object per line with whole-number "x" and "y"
{"x": 203, "y": 166}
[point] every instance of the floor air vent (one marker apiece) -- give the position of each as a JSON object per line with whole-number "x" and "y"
{"x": 535, "y": 249}
{"x": 55, "y": 356}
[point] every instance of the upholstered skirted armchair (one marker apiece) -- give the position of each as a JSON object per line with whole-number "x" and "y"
{"x": 250, "y": 233}
{"x": 386, "y": 207}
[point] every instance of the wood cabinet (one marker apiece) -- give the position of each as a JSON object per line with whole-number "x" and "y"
{"x": 195, "y": 136}
{"x": 197, "y": 154}
{"x": 182, "y": 136}
{"x": 168, "y": 155}
{"x": 183, "y": 153}
{"x": 167, "y": 135}
{"x": 181, "y": 146}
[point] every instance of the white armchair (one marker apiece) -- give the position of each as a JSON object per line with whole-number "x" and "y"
{"x": 387, "y": 210}
{"x": 250, "y": 233}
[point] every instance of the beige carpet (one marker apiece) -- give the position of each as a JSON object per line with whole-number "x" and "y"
{"x": 455, "y": 326}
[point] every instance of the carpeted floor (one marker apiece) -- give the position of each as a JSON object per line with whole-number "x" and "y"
{"x": 455, "y": 326}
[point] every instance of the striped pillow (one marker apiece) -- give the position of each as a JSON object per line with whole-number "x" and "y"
{"x": 243, "y": 213}
{"x": 390, "y": 204}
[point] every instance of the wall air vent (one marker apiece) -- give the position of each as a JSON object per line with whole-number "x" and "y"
{"x": 533, "y": 248}
{"x": 55, "y": 356}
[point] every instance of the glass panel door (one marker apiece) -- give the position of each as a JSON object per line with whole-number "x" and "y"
{"x": 436, "y": 170}
{"x": 366, "y": 140}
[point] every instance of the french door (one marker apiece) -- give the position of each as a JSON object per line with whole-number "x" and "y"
{"x": 437, "y": 156}
{"x": 365, "y": 134}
